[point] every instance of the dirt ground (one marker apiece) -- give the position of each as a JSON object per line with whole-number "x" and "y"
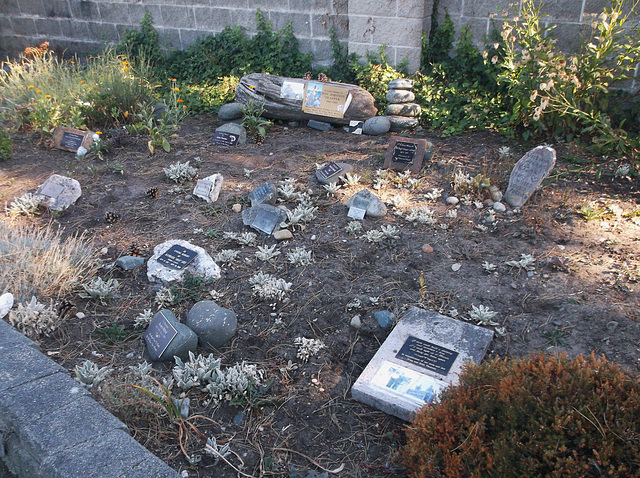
{"x": 581, "y": 298}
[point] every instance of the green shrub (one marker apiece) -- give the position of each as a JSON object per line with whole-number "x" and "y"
{"x": 542, "y": 416}
{"x": 6, "y": 145}
{"x": 376, "y": 74}
{"x": 142, "y": 46}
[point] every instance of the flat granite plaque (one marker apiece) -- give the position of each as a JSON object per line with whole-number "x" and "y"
{"x": 203, "y": 188}
{"x": 405, "y": 153}
{"x": 265, "y": 221}
{"x": 266, "y": 193}
{"x": 329, "y": 170}
{"x": 222, "y": 138}
{"x": 159, "y": 334}
{"x": 528, "y": 173}
{"x": 51, "y": 190}
{"x": 422, "y": 356}
{"x": 177, "y": 257}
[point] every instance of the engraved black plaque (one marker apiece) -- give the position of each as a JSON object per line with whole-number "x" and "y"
{"x": 177, "y": 257}
{"x": 51, "y": 190}
{"x": 427, "y": 355}
{"x": 159, "y": 334}
{"x": 259, "y": 193}
{"x": 222, "y": 138}
{"x": 404, "y": 152}
{"x": 329, "y": 170}
{"x": 265, "y": 221}
{"x": 71, "y": 140}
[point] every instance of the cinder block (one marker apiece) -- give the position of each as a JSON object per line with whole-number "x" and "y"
{"x": 22, "y": 364}
{"x": 177, "y": 17}
{"x": 480, "y": 8}
{"x": 245, "y": 19}
{"x": 361, "y": 29}
{"x": 211, "y": 19}
{"x": 563, "y": 10}
{"x": 454, "y": 7}
{"x": 242, "y": 4}
{"x": 361, "y": 49}
{"x": 31, "y": 7}
{"x": 398, "y": 31}
{"x": 137, "y": 12}
{"x": 322, "y": 52}
{"x": 415, "y": 9}
{"x": 311, "y": 6}
{"x": 411, "y": 55}
{"x": 5, "y": 25}
{"x": 321, "y": 26}
{"x": 85, "y": 10}
{"x": 23, "y": 26}
{"x": 48, "y": 27}
{"x": 169, "y": 38}
{"x": 596, "y": 7}
{"x": 74, "y": 29}
{"x": 384, "y": 8}
{"x": 188, "y": 37}
{"x": 57, "y": 9}
{"x": 102, "y": 32}
{"x": 110, "y": 12}
{"x": 568, "y": 36}
{"x": 9, "y": 7}
{"x": 111, "y": 455}
{"x": 269, "y": 5}
{"x": 479, "y": 30}
{"x": 300, "y": 22}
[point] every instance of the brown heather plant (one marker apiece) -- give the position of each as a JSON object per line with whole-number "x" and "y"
{"x": 544, "y": 416}
{"x": 41, "y": 263}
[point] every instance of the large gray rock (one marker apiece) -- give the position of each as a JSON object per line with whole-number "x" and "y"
{"x": 265, "y": 88}
{"x": 202, "y": 266}
{"x": 214, "y": 325}
{"x": 400, "y": 96}
{"x": 166, "y": 327}
{"x": 528, "y": 173}
{"x": 376, "y": 126}
{"x": 401, "y": 84}
{"x": 375, "y": 207}
{"x": 333, "y": 172}
{"x": 230, "y": 112}
{"x": 403, "y": 109}
{"x": 127, "y": 263}
{"x": 59, "y": 192}
{"x": 234, "y": 128}
{"x": 403, "y": 123}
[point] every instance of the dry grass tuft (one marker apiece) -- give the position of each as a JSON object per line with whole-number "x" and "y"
{"x": 41, "y": 263}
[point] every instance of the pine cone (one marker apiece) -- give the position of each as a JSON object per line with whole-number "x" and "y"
{"x": 258, "y": 138}
{"x": 323, "y": 78}
{"x": 152, "y": 192}
{"x": 134, "y": 250}
{"x": 308, "y": 76}
{"x": 111, "y": 217}
{"x": 66, "y": 309}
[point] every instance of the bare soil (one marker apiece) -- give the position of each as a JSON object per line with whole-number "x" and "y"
{"x": 582, "y": 297}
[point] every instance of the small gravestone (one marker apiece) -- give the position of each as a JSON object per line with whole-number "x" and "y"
{"x": 172, "y": 259}
{"x": 70, "y": 139}
{"x": 264, "y": 218}
{"x": 166, "y": 337}
{"x": 528, "y": 173}
{"x": 59, "y": 192}
{"x": 230, "y": 134}
{"x": 332, "y": 172}
{"x": 266, "y": 193}
{"x": 422, "y": 355}
{"x": 358, "y": 208}
{"x": 405, "y": 154}
{"x": 214, "y": 325}
{"x": 368, "y": 201}
{"x": 209, "y": 188}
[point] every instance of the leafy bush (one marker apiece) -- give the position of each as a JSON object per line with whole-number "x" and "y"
{"x": 542, "y": 416}
{"x": 142, "y": 46}
{"x": 6, "y": 145}
{"x": 376, "y": 74}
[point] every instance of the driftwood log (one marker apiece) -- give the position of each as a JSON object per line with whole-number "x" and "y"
{"x": 262, "y": 87}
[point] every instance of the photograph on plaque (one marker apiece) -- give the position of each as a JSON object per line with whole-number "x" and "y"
{"x": 329, "y": 170}
{"x": 222, "y": 138}
{"x": 293, "y": 90}
{"x": 159, "y": 334}
{"x": 411, "y": 385}
{"x": 265, "y": 221}
{"x": 51, "y": 190}
{"x": 177, "y": 257}
{"x": 325, "y": 100}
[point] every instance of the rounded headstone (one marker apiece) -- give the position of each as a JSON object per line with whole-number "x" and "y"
{"x": 400, "y": 96}
{"x": 402, "y": 123}
{"x": 403, "y": 109}
{"x": 234, "y": 128}
{"x": 214, "y": 325}
{"x": 401, "y": 84}
{"x": 185, "y": 340}
{"x": 376, "y": 126}
{"x": 375, "y": 207}
{"x": 202, "y": 265}
{"x": 230, "y": 111}
{"x": 344, "y": 169}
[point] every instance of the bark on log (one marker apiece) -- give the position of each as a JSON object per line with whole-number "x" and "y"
{"x": 262, "y": 87}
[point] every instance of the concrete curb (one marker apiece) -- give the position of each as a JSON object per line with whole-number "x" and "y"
{"x": 51, "y": 427}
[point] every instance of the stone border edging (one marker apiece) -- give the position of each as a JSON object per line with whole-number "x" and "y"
{"x": 51, "y": 427}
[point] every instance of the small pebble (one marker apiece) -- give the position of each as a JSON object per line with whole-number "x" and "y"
{"x": 490, "y": 219}
{"x": 314, "y": 237}
{"x": 384, "y": 318}
{"x": 427, "y": 249}
{"x": 499, "y": 207}
{"x": 130, "y": 355}
{"x": 356, "y": 323}
{"x": 452, "y": 200}
{"x": 282, "y": 235}
{"x": 456, "y": 267}
{"x": 104, "y": 251}
{"x": 80, "y": 315}
{"x": 238, "y": 418}
{"x": 237, "y": 207}
{"x": 612, "y": 326}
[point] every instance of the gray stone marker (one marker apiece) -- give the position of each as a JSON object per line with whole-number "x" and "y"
{"x": 209, "y": 188}
{"x": 266, "y": 193}
{"x": 166, "y": 337}
{"x": 332, "y": 172}
{"x": 372, "y": 204}
{"x": 423, "y": 355}
{"x": 406, "y": 153}
{"x": 376, "y": 126}
{"x": 59, "y": 192}
{"x": 528, "y": 173}
{"x": 213, "y": 324}
{"x": 230, "y": 134}
{"x": 200, "y": 265}
{"x": 264, "y": 218}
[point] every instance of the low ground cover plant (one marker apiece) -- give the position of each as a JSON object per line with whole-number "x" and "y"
{"x": 538, "y": 416}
